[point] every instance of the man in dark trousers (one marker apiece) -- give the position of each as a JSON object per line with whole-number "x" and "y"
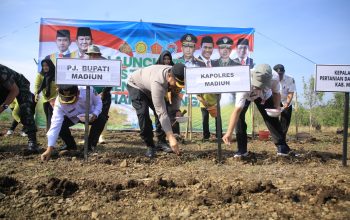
{"x": 265, "y": 94}
{"x": 147, "y": 88}
{"x": 287, "y": 84}
{"x": 15, "y": 85}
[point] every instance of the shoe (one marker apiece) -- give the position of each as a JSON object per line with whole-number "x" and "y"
{"x": 161, "y": 146}
{"x": 283, "y": 150}
{"x": 205, "y": 140}
{"x": 151, "y": 152}
{"x": 33, "y": 147}
{"x": 23, "y": 134}
{"x": 91, "y": 148}
{"x": 101, "y": 140}
{"x": 9, "y": 132}
{"x": 240, "y": 155}
{"x": 65, "y": 147}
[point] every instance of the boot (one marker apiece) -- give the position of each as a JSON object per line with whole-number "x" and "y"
{"x": 32, "y": 144}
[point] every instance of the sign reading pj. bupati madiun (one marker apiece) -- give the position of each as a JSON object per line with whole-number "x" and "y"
{"x": 88, "y": 72}
{"x": 332, "y": 78}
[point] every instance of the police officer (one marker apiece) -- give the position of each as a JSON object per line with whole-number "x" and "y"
{"x": 147, "y": 88}
{"x": 287, "y": 92}
{"x": 188, "y": 42}
{"x": 15, "y": 85}
{"x": 69, "y": 104}
{"x": 225, "y": 48}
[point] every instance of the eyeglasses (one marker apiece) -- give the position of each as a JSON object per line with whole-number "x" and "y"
{"x": 225, "y": 47}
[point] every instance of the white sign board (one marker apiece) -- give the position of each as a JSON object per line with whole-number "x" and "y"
{"x": 88, "y": 72}
{"x": 332, "y": 78}
{"x": 226, "y": 79}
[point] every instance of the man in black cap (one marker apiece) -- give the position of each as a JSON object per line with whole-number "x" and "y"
{"x": 70, "y": 109}
{"x": 83, "y": 41}
{"x": 288, "y": 88}
{"x": 225, "y": 48}
{"x": 15, "y": 85}
{"x": 243, "y": 52}
{"x": 63, "y": 42}
{"x": 147, "y": 88}
{"x": 188, "y": 47}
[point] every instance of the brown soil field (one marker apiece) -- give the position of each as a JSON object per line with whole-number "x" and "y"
{"x": 118, "y": 182}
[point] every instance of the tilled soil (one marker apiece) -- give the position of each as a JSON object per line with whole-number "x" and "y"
{"x": 118, "y": 182}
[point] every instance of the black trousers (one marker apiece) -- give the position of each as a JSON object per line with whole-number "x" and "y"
{"x": 26, "y": 104}
{"x": 286, "y": 115}
{"x": 272, "y": 124}
{"x": 98, "y": 125}
{"x": 160, "y": 134}
{"x": 205, "y": 124}
{"x": 67, "y": 137}
{"x": 142, "y": 103}
{"x": 48, "y": 114}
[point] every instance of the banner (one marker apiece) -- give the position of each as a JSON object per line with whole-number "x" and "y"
{"x": 138, "y": 45}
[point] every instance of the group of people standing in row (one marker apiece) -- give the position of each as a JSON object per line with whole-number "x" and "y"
{"x": 157, "y": 87}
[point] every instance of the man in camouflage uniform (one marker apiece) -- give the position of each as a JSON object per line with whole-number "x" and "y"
{"x": 188, "y": 47}
{"x": 15, "y": 85}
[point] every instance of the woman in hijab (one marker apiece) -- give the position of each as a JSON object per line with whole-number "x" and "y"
{"x": 45, "y": 83}
{"x": 165, "y": 59}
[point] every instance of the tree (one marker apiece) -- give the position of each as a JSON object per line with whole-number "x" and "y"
{"x": 312, "y": 98}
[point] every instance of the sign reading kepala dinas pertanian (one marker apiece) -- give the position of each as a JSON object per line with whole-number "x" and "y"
{"x": 332, "y": 78}
{"x": 88, "y": 72}
{"x": 217, "y": 79}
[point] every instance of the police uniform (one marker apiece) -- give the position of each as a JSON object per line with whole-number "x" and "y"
{"x": 147, "y": 88}
{"x": 25, "y": 101}
{"x": 220, "y": 62}
{"x": 193, "y": 62}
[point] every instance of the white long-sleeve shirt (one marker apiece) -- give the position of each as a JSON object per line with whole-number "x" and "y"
{"x": 71, "y": 111}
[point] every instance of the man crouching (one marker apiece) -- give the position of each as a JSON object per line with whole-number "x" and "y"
{"x": 71, "y": 103}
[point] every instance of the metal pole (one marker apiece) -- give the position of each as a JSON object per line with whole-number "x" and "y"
{"x": 296, "y": 106}
{"x": 219, "y": 128}
{"x": 190, "y": 117}
{"x": 87, "y": 110}
{"x": 345, "y": 133}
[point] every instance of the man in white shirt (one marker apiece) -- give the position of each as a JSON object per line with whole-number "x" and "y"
{"x": 207, "y": 46}
{"x": 265, "y": 94}
{"x": 287, "y": 92}
{"x": 69, "y": 104}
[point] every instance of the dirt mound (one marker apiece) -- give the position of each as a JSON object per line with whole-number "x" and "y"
{"x": 7, "y": 184}
{"x": 57, "y": 187}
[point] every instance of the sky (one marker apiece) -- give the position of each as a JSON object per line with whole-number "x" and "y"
{"x": 317, "y": 29}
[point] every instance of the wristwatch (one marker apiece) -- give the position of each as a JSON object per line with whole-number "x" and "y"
{"x": 4, "y": 106}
